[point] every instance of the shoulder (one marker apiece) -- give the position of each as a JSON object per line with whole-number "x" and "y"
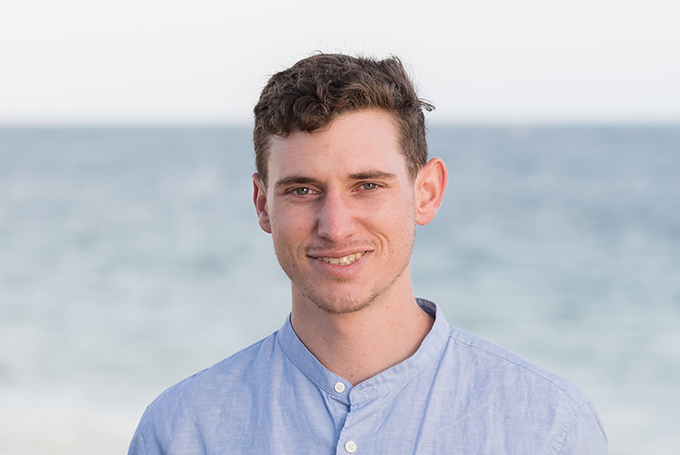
{"x": 225, "y": 379}
{"x": 530, "y": 400}
{"x": 181, "y": 414}
{"x": 502, "y": 366}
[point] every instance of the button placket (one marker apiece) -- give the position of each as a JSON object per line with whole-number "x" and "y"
{"x": 347, "y": 438}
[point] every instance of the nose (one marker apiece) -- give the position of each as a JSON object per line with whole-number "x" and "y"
{"x": 336, "y": 218}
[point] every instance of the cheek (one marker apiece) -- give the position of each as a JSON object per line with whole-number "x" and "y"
{"x": 393, "y": 223}
{"x": 290, "y": 225}
{"x": 394, "y": 211}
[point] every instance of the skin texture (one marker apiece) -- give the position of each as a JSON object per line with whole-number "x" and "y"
{"x": 342, "y": 211}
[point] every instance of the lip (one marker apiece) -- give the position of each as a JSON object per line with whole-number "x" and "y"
{"x": 338, "y": 269}
{"x": 342, "y": 260}
{"x": 335, "y": 254}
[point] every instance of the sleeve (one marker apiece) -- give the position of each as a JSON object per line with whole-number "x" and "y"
{"x": 586, "y": 436}
{"x": 138, "y": 445}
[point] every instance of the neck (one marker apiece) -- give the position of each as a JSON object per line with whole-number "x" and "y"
{"x": 363, "y": 343}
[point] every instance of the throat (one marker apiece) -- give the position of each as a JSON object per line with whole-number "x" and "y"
{"x": 358, "y": 346}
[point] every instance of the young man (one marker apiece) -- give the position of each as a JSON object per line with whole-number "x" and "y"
{"x": 361, "y": 366}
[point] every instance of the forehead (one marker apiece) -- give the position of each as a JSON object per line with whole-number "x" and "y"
{"x": 367, "y": 139}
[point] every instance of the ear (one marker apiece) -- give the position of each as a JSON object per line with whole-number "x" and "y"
{"x": 430, "y": 187}
{"x": 260, "y": 200}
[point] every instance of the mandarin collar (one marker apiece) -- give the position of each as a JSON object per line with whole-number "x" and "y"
{"x": 378, "y": 385}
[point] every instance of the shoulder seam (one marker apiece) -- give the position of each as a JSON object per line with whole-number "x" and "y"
{"x": 579, "y": 403}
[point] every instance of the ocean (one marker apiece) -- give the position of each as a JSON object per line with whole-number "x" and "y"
{"x": 131, "y": 258}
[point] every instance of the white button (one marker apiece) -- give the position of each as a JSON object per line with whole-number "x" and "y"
{"x": 351, "y": 446}
{"x": 340, "y": 387}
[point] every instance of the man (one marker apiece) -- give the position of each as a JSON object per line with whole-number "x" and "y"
{"x": 361, "y": 366}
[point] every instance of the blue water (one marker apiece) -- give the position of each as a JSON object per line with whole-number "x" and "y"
{"x": 131, "y": 258}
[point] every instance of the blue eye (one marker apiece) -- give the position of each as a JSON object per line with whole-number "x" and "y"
{"x": 369, "y": 186}
{"x": 301, "y": 191}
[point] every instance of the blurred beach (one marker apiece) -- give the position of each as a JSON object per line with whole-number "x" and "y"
{"x": 131, "y": 258}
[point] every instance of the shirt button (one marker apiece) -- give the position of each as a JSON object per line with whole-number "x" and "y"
{"x": 351, "y": 446}
{"x": 340, "y": 387}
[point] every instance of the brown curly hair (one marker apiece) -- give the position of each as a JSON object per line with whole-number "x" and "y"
{"x": 316, "y": 90}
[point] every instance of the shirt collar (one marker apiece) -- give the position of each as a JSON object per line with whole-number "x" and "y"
{"x": 380, "y": 384}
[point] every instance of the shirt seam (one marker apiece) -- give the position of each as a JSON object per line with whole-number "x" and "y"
{"x": 524, "y": 367}
{"x": 571, "y": 427}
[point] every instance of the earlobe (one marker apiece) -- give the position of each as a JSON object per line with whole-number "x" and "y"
{"x": 260, "y": 201}
{"x": 430, "y": 187}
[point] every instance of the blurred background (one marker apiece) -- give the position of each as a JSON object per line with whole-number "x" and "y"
{"x": 130, "y": 255}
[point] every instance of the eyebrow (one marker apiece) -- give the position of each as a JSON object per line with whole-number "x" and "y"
{"x": 363, "y": 175}
{"x": 372, "y": 175}
{"x": 293, "y": 179}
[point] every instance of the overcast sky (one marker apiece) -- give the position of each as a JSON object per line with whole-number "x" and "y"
{"x": 195, "y": 61}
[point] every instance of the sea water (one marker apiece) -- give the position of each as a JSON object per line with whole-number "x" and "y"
{"x": 131, "y": 258}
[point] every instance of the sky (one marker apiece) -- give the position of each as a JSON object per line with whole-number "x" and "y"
{"x": 82, "y": 62}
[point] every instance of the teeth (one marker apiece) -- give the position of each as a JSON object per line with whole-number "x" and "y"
{"x": 346, "y": 260}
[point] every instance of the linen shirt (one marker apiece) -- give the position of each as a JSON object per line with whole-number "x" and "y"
{"x": 458, "y": 394}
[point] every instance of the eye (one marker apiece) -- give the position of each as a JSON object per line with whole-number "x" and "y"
{"x": 301, "y": 191}
{"x": 369, "y": 186}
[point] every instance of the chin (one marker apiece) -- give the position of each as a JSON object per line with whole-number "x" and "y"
{"x": 340, "y": 305}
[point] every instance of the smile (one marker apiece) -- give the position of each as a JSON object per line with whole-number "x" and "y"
{"x": 345, "y": 260}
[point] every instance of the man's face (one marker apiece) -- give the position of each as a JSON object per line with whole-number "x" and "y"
{"x": 340, "y": 206}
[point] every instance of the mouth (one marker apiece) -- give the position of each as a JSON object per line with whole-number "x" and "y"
{"x": 345, "y": 260}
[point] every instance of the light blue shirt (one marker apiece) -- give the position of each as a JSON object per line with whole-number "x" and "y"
{"x": 458, "y": 394}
